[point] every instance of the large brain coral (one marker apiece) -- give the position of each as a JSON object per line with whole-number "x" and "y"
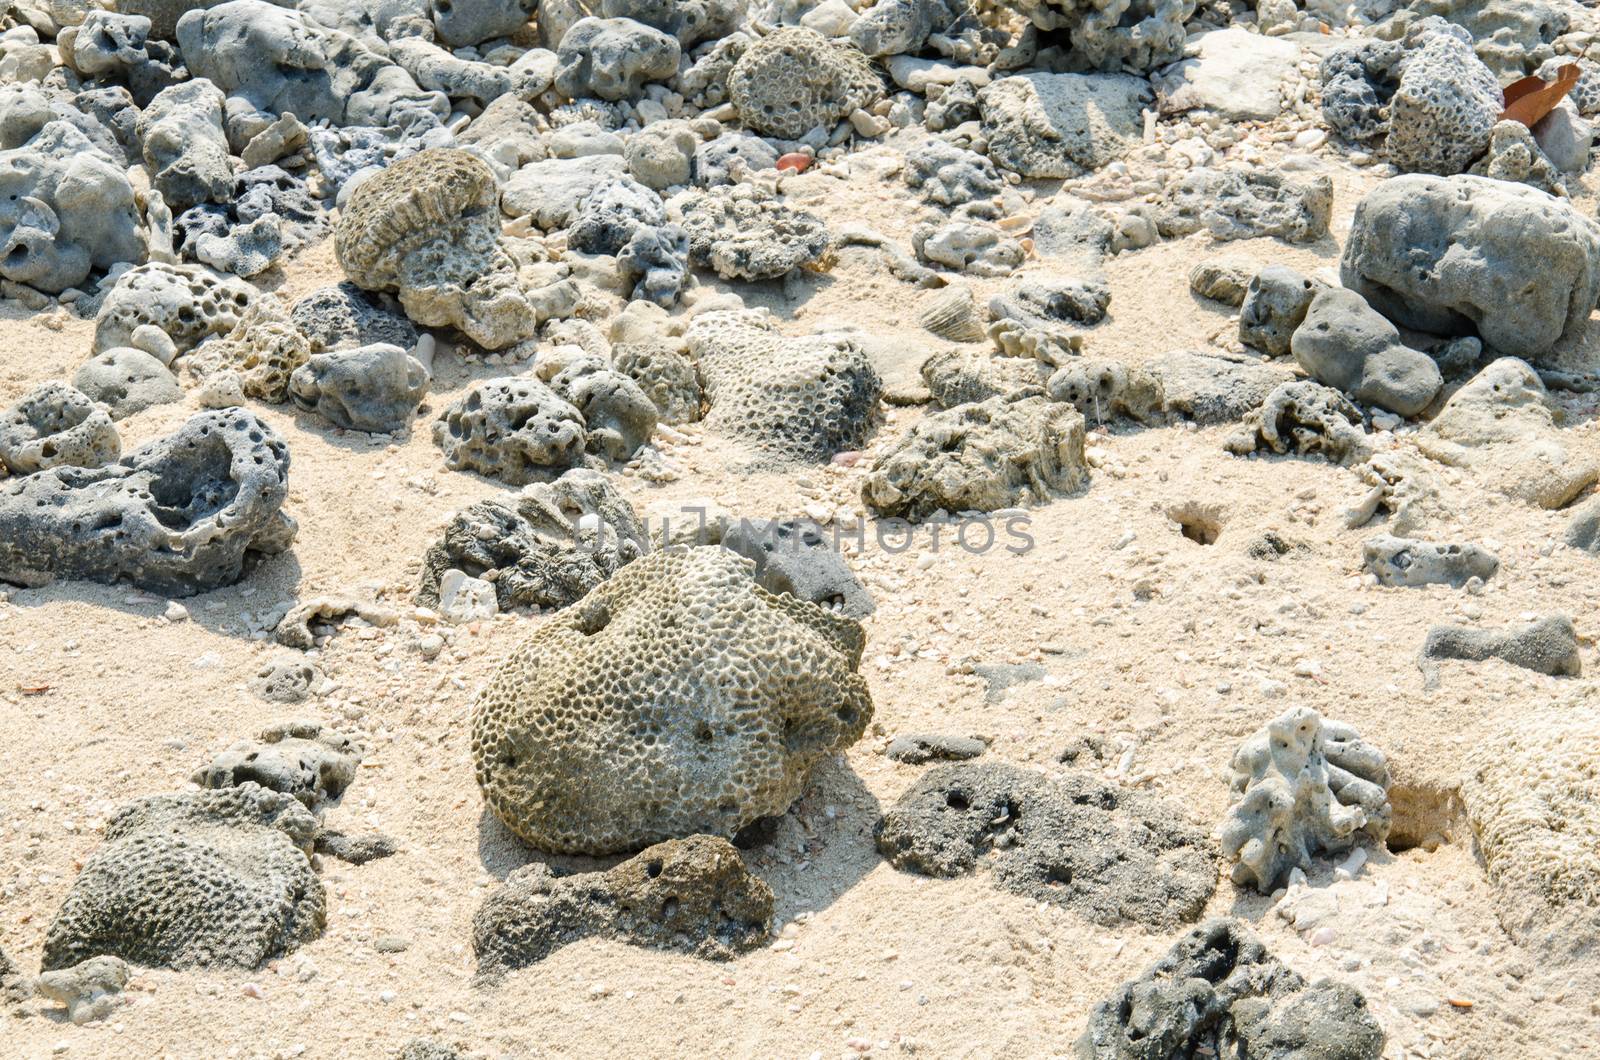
{"x": 1302, "y": 785}
{"x": 678, "y": 697}
{"x": 428, "y": 228}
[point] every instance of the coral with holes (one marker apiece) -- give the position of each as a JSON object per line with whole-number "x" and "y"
{"x": 213, "y": 879}
{"x": 1113, "y": 855}
{"x": 677, "y": 697}
{"x": 979, "y": 249}
{"x": 905, "y": 27}
{"x": 305, "y": 759}
{"x": 1444, "y": 107}
{"x": 1398, "y": 561}
{"x": 1238, "y": 203}
{"x": 612, "y": 58}
{"x": 666, "y": 375}
{"x": 1054, "y": 304}
{"x": 66, "y": 209}
{"x": 1302, "y": 785}
{"x": 960, "y": 376}
{"x": 743, "y": 232}
{"x": 1275, "y": 303}
{"x": 264, "y": 350}
{"x": 343, "y": 316}
{"x": 1532, "y": 795}
{"x": 373, "y": 388}
{"x": 1304, "y": 418}
{"x": 1515, "y": 155}
{"x": 1219, "y": 993}
{"x": 655, "y": 261}
{"x": 549, "y": 546}
{"x": 55, "y": 424}
{"x": 794, "y": 556}
{"x": 428, "y": 228}
{"x": 617, "y": 415}
{"x": 690, "y": 895}
{"x": 1106, "y": 390}
{"x": 794, "y": 80}
{"x": 178, "y": 516}
{"x": 981, "y": 457}
{"x": 514, "y": 429}
{"x": 611, "y": 214}
{"x": 1358, "y": 81}
{"x": 190, "y": 303}
{"x": 791, "y": 398}
{"x": 1133, "y": 34}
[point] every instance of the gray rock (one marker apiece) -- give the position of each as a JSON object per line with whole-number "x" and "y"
{"x": 1106, "y": 390}
{"x": 178, "y": 516}
{"x": 583, "y": 139}
{"x": 655, "y": 264}
{"x": 960, "y": 376}
{"x": 1113, "y": 855}
{"x": 612, "y": 58}
{"x": 1303, "y": 418}
{"x": 916, "y": 748}
{"x": 794, "y": 557}
{"x": 373, "y": 388}
{"x": 514, "y": 429}
{"x": 792, "y": 399}
{"x": 1275, "y": 303}
{"x": 794, "y": 80}
{"x": 428, "y": 1049}
{"x": 69, "y": 209}
{"x": 13, "y": 984}
{"x": 246, "y": 250}
{"x": 896, "y": 27}
{"x": 1583, "y": 529}
{"x": 1462, "y": 254}
{"x": 1358, "y": 81}
{"x": 1444, "y": 107}
{"x": 1548, "y": 645}
{"x": 948, "y": 175}
{"x": 88, "y": 990}
{"x": 1210, "y": 389}
{"x": 610, "y": 215}
{"x": 1222, "y": 281}
{"x": 618, "y": 417}
{"x": 268, "y": 59}
{"x": 1238, "y": 203}
{"x": 212, "y": 879}
{"x": 106, "y": 43}
{"x": 355, "y": 850}
{"x": 1408, "y": 562}
{"x": 1054, "y": 302}
{"x": 437, "y": 70}
{"x": 126, "y": 381}
{"x": 716, "y": 160}
{"x": 662, "y": 154}
{"x": 979, "y": 249}
{"x": 189, "y": 303}
{"x": 1231, "y": 72}
{"x": 342, "y": 316}
{"x": 285, "y": 679}
{"x": 1146, "y": 34}
{"x": 690, "y": 21}
{"x": 1514, "y": 155}
{"x": 184, "y": 147}
{"x": 1218, "y": 992}
{"x": 285, "y": 136}
{"x": 1000, "y": 678}
{"x": 957, "y": 104}
{"x": 550, "y": 192}
{"x": 1346, "y": 344}
{"x": 1565, "y": 138}
{"x": 690, "y": 895}
{"x": 1081, "y": 235}
{"x": 551, "y": 544}
{"x": 52, "y": 425}
{"x": 1047, "y": 126}
{"x": 980, "y": 457}
{"x": 507, "y": 132}
{"x": 304, "y": 759}
{"x": 1510, "y": 36}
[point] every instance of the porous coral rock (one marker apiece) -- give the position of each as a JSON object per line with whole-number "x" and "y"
{"x": 263, "y": 350}
{"x": 677, "y": 697}
{"x": 744, "y": 233}
{"x": 305, "y": 759}
{"x": 53, "y": 425}
{"x": 981, "y": 457}
{"x": 960, "y": 376}
{"x": 373, "y": 388}
{"x": 1218, "y": 992}
{"x": 214, "y": 879}
{"x": 692, "y": 895}
{"x": 1461, "y": 254}
{"x": 1358, "y": 80}
{"x": 548, "y": 546}
{"x": 66, "y": 208}
{"x": 178, "y": 516}
{"x": 794, "y": 556}
{"x": 949, "y": 175}
{"x": 1302, "y": 785}
{"x": 1238, "y": 203}
{"x": 1531, "y": 789}
{"x": 1303, "y": 418}
{"x": 343, "y": 316}
{"x": 793, "y": 398}
{"x": 1113, "y": 855}
{"x": 978, "y": 249}
{"x": 1103, "y": 390}
{"x": 189, "y": 303}
{"x": 514, "y": 429}
{"x": 1444, "y": 107}
{"x": 1402, "y": 561}
{"x": 794, "y": 80}
{"x": 1514, "y": 155}
{"x": 428, "y": 228}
